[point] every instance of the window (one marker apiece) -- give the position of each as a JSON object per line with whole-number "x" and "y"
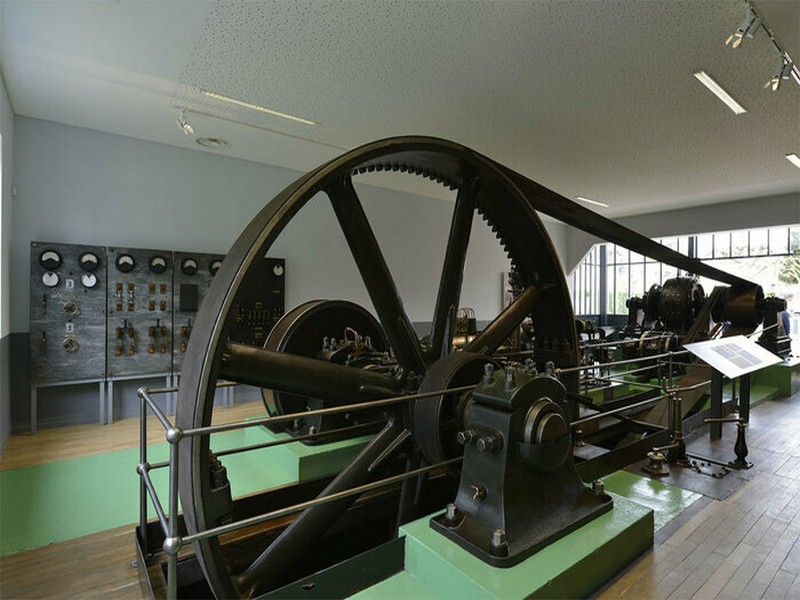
{"x": 610, "y": 274}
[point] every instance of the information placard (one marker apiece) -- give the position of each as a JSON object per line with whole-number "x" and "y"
{"x": 733, "y": 356}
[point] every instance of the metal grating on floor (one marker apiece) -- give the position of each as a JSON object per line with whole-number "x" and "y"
{"x": 705, "y": 478}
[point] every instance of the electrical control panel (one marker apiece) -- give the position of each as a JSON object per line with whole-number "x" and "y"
{"x": 262, "y": 303}
{"x": 139, "y": 305}
{"x": 101, "y": 312}
{"x": 192, "y": 276}
{"x": 67, "y": 312}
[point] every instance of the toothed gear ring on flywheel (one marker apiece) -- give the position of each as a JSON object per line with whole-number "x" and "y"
{"x": 495, "y": 192}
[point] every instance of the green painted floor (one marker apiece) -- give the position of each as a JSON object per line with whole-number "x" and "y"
{"x": 63, "y": 500}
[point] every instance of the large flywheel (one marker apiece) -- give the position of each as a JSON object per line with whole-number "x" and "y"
{"x": 483, "y": 186}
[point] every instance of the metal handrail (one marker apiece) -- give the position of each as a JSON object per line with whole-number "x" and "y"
{"x": 174, "y": 435}
{"x": 615, "y": 363}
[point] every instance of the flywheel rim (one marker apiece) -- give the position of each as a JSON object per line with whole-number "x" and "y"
{"x": 504, "y": 206}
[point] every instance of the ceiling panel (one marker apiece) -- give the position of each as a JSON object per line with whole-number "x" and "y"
{"x": 588, "y": 98}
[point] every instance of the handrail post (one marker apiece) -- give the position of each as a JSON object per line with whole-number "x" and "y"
{"x": 143, "y": 465}
{"x": 173, "y": 542}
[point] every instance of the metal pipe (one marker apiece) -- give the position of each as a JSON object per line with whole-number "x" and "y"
{"x": 151, "y": 490}
{"x": 162, "y": 390}
{"x": 621, "y": 342}
{"x": 173, "y": 389}
{"x": 649, "y": 386}
{"x": 299, "y": 438}
{"x": 275, "y": 514}
{"x": 619, "y": 362}
{"x": 652, "y": 386}
{"x": 762, "y": 330}
{"x": 172, "y": 556}
{"x": 615, "y": 411}
{"x": 165, "y": 422}
{"x": 689, "y": 388}
{"x": 323, "y": 411}
{"x": 634, "y": 371}
{"x": 142, "y": 484}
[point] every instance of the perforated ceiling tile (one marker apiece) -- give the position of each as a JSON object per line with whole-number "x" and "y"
{"x": 555, "y": 88}
{"x": 590, "y": 98}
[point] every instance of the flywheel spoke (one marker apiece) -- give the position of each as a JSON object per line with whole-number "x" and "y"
{"x": 375, "y": 273}
{"x": 506, "y": 322}
{"x": 453, "y": 268}
{"x": 302, "y": 375}
{"x": 278, "y": 563}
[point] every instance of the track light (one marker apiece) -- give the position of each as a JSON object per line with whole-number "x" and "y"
{"x": 783, "y": 71}
{"x": 748, "y": 27}
{"x": 184, "y": 124}
{"x": 753, "y": 21}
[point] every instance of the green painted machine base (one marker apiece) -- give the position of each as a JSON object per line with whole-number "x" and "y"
{"x": 571, "y": 567}
{"x": 309, "y": 462}
{"x": 667, "y": 501}
{"x": 784, "y": 376}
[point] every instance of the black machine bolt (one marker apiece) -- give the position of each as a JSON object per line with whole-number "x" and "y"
{"x": 489, "y": 443}
{"x": 499, "y": 545}
{"x": 452, "y": 515}
{"x": 466, "y": 436}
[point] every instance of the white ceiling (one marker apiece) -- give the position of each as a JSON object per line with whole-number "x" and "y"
{"x": 588, "y": 98}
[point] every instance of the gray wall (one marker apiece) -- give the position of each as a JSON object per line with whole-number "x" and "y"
{"x": 7, "y": 133}
{"x": 777, "y": 210}
{"x": 81, "y": 186}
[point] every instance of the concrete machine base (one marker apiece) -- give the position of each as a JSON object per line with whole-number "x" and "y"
{"x": 572, "y": 567}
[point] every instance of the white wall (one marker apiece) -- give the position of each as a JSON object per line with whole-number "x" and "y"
{"x": 7, "y": 134}
{"x": 81, "y": 186}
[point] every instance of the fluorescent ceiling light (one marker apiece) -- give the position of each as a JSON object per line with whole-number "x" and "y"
{"x": 712, "y": 85}
{"x": 595, "y": 202}
{"x": 794, "y": 159}
{"x": 263, "y": 109}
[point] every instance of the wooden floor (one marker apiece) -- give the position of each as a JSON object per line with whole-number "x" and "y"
{"x": 95, "y": 566}
{"x": 747, "y": 546}
{"x": 49, "y": 445}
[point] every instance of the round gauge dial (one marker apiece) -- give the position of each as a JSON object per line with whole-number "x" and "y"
{"x": 214, "y": 266}
{"x": 278, "y": 270}
{"x": 125, "y": 263}
{"x": 188, "y": 266}
{"x": 158, "y": 264}
{"x": 50, "y": 279}
{"x": 89, "y": 280}
{"x": 88, "y": 261}
{"x": 50, "y": 260}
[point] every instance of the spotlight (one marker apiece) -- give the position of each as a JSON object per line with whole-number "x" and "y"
{"x": 783, "y": 71}
{"x": 747, "y": 28}
{"x": 184, "y": 124}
